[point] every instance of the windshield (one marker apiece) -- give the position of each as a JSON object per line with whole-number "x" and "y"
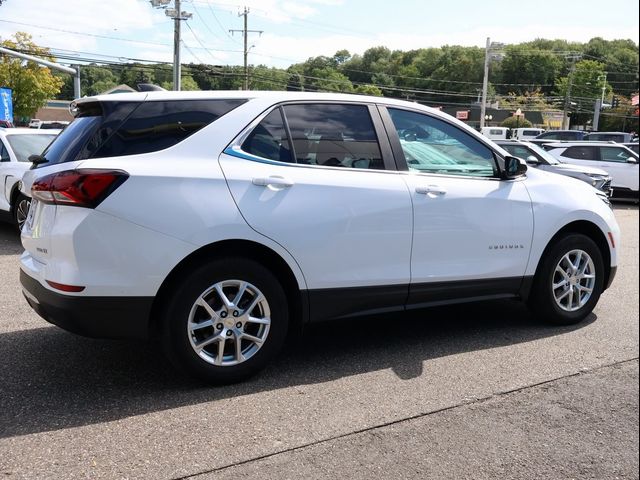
{"x": 26, "y": 145}
{"x": 550, "y": 159}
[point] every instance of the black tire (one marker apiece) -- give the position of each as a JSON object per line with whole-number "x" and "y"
{"x": 20, "y": 210}
{"x": 542, "y": 300}
{"x": 177, "y": 338}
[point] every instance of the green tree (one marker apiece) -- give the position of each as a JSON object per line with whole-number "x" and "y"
{"x": 587, "y": 81}
{"x": 187, "y": 83}
{"x": 516, "y": 122}
{"x": 31, "y": 83}
{"x": 526, "y": 68}
{"x": 368, "y": 90}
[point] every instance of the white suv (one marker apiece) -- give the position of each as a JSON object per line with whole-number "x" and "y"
{"x": 617, "y": 160}
{"x": 221, "y": 220}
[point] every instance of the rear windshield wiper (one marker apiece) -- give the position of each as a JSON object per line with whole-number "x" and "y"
{"x": 37, "y": 159}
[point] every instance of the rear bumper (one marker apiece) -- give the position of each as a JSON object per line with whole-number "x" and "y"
{"x": 98, "y": 317}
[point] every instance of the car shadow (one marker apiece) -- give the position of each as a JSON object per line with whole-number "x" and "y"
{"x": 9, "y": 239}
{"x": 51, "y": 379}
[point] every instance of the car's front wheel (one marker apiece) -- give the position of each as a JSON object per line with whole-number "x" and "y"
{"x": 569, "y": 281}
{"x": 226, "y": 320}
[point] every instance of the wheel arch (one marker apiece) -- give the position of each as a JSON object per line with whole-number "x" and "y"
{"x": 590, "y": 230}
{"x": 296, "y": 297}
{"x": 13, "y": 194}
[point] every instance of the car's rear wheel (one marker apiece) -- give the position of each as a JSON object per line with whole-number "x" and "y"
{"x": 21, "y": 210}
{"x": 569, "y": 281}
{"x": 226, "y": 320}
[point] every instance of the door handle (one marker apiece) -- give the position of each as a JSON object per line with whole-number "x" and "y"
{"x": 434, "y": 189}
{"x": 274, "y": 182}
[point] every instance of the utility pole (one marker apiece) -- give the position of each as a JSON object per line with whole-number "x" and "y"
{"x": 176, "y": 47}
{"x": 599, "y": 103}
{"x": 596, "y": 115}
{"x": 488, "y": 56}
{"x": 567, "y": 99}
{"x": 178, "y": 16}
{"x": 245, "y": 32}
{"x": 485, "y": 81}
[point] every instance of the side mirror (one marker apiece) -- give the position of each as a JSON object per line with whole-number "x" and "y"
{"x": 532, "y": 159}
{"x": 514, "y": 167}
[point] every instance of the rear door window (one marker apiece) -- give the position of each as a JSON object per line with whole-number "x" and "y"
{"x": 582, "y": 153}
{"x": 334, "y": 135}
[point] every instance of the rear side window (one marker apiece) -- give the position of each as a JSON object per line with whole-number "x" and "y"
{"x": 581, "y": 153}
{"x": 111, "y": 129}
{"x": 269, "y": 139}
{"x": 334, "y": 135}
{"x": 154, "y": 126}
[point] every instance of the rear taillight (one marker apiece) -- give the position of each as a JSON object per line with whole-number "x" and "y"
{"x": 80, "y": 188}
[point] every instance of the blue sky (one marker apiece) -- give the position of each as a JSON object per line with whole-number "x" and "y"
{"x": 296, "y": 30}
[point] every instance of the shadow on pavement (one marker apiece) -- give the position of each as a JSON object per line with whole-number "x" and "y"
{"x": 51, "y": 379}
{"x": 9, "y": 240}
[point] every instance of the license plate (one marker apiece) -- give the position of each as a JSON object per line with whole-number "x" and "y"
{"x": 32, "y": 213}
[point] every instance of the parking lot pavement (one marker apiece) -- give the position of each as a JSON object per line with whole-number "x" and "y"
{"x": 72, "y": 407}
{"x": 556, "y": 430}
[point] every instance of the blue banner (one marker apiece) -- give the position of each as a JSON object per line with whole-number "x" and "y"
{"x": 6, "y": 104}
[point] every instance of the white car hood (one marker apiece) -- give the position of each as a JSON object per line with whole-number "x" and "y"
{"x": 567, "y": 167}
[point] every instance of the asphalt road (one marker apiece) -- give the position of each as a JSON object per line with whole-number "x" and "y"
{"x": 475, "y": 391}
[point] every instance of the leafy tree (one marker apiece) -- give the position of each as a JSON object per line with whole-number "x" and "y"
{"x": 295, "y": 83}
{"x": 586, "y": 88}
{"x": 368, "y": 90}
{"x": 31, "y": 83}
{"x": 526, "y": 68}
{"x": 266, "y": 78}
{"x": 534, "y": 100}
{"x": 516, "y": 122}
{"x": 187, "y": 83}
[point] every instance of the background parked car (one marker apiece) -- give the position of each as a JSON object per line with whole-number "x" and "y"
{"x": 525, "y": 133}
{"x": 617, "y": 160}
{"x": 16, "y": 145}
{"x": 565, "y": 135}
{"x": 496, "y": 133}
{"x": 618, "y": 137}
{"x": 536, "y": 156}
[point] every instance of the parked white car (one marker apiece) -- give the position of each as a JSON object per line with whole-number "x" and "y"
{"x": 526, "y": 133}
{"x": 537, "y": 157}
{"x": 617, "y": 160}
{"x": 16, "y": 145}
{"x": 496, "y": 133}
{"x": 219, "y": 221}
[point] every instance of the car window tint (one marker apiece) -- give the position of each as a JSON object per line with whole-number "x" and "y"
{"x": 435, "y": 146}
{"x": 614, "y": 154}
{"x": 4, "y": 154}
{"x": 518, "y": 151}
{"x": 581, "y": 153}
{"x": 269, "y": 139}
{"x": 334, "y": 135}
{"x": 156, "y": 125}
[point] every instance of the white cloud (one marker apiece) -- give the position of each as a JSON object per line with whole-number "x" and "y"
{"x": 116, "y": 18}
